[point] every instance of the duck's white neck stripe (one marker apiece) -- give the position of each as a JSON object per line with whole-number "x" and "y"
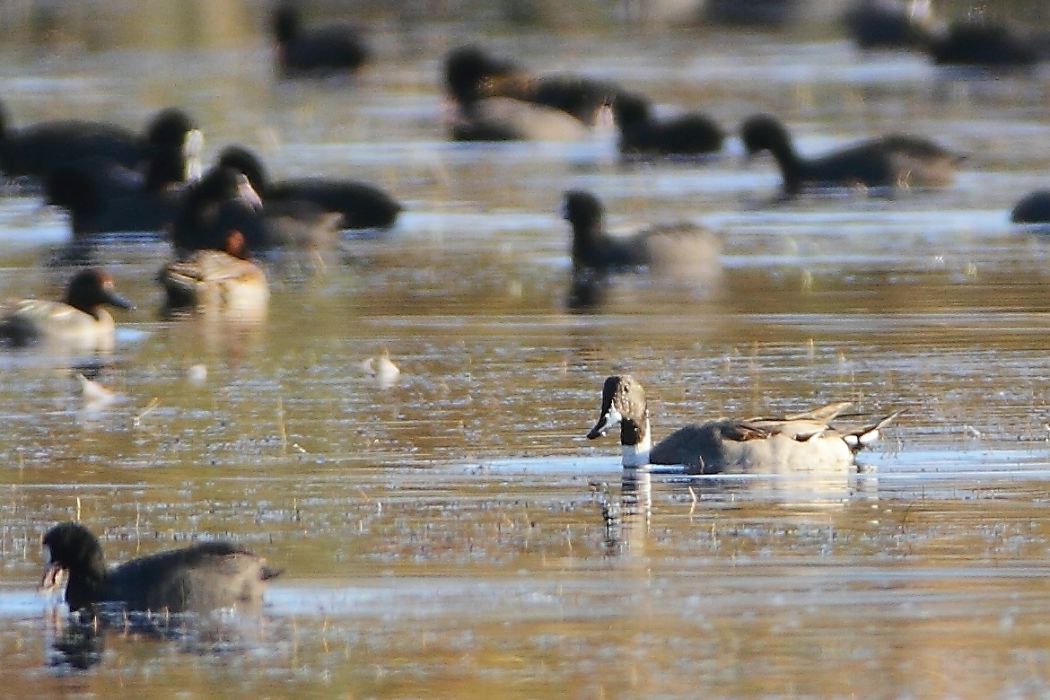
{"x": 637, "y": 455}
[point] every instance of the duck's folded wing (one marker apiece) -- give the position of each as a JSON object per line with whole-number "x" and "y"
{"x": 742, "y": 431}
{"x": 801, "y": 429}
{"x": 209, "y": 575}
{"x": 50, "y": 317}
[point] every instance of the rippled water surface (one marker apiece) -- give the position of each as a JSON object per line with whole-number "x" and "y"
{"x": 453, "y": 534}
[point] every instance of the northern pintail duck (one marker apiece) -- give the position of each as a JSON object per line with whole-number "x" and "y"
{"x": 496, "y": 100}
{"x": 198, "y": 578}
{"x": 805, "y": 441}
{"x": 892, "y": 161}
{"x": 38, "y": 149}
{"x": 103, "y": 197}
{"x": 676, "y": 247}
{"x": 642, "y": 134}
{"x": 78, "y": 321}
{"x": 362, "y": 205}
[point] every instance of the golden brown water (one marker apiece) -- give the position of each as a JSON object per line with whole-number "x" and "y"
{"x": 453, "y": 535}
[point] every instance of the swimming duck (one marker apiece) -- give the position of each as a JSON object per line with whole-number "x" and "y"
{"x": 103, "y": 197}
{"x": 224, "y": 203}
{"x": 875, "y": 24}
{"x": 198, "y": 578}
{"x": 893, "y": 161}
{"x": 681, "y": 247}
{"x": 1034, "y": 208}
{"x": 217, "y": 279}
{"x": 220, "y": 202}
{"x": 641, "y": 133}
{"x": 324, "y": 50}
{"x": 583, "y": 98}
{"x": 986, "y": 44}
{"x": 361, "y": 205}
{"x": 804, "y": 441}
{"x": 79, "y": 320}
{"x": 495, "y": 100}
{"x": 38, "y": 149}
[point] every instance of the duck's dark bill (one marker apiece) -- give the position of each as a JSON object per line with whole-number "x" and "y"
{"x": 600, "y": 428}
{"x": 118, "y": 300}
{"x": 610, "y": 416}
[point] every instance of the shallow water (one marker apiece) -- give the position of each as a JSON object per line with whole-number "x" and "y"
{"x": 453, "y": 534}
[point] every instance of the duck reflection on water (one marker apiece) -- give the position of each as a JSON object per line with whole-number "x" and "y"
{"x": 627, "y": 521}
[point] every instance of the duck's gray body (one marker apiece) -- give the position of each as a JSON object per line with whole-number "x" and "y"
{"x": 79, "y": 323}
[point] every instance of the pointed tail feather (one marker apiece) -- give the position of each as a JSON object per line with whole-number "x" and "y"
{"x": 859, "y": 439}
{"x": 824, "y": 413}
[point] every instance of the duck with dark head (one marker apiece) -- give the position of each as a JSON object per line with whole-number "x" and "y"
{"x": 198, "y": 578}
{"x": 78, "y": 322}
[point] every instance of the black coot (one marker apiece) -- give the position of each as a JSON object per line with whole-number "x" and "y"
{"x": 197, "y": 578}
{"x": 316, "y": 51}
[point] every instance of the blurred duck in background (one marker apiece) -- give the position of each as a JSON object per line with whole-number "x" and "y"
{"x": 360, "y": 205}
{"x": 682, "y": 249}
{"x": 1034, "y": 208}
{"x": 643, "y": 135}
{"x": 985, "y": 43}
{"x": 37, "y": 150}
{"x": 316, "y": 52}
{"x": 889, "y": 162}
{"x": 218, "y": 280}
{"x": 102, "y": 196}
{"x": 496, "y": 100}
{"x": 213, "y": 235}
{"x": 890, "y": 24}
{"x": 225, "y": 201}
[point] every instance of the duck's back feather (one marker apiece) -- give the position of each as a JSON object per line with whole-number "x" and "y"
{"x": 27, "y": 321}
{"x": 205, "y": 576}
